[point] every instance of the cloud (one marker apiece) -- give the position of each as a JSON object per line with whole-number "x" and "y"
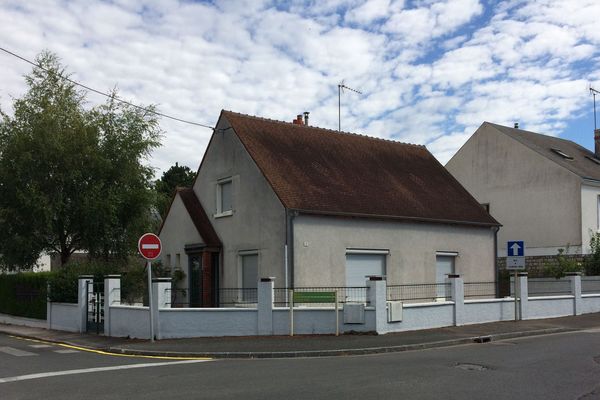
{"x": 430, "y": 71}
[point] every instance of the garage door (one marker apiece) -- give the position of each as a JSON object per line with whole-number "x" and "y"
{"x": 359, "y": 266}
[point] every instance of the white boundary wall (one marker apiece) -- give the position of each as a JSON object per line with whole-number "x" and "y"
{"x": 265, "y": 319}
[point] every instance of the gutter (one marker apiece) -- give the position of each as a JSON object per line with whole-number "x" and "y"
{"x": 401, "y": 218}
{"x": 495, "y": 229}
{"x": 289, "y": 246}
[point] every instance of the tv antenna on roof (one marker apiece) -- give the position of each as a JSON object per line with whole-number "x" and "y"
{"x": 594, "y": 92}
{"x": 341, "y": 87}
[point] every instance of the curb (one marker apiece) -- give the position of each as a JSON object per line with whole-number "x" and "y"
{"x": 306, "y": 353}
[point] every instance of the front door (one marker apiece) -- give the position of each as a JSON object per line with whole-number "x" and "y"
{"x": 195, "y": 277}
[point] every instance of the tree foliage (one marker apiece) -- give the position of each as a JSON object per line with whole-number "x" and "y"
{"x": 176, "y": 176}
{"x": 592, "y": 261}
{"x": 72, "y": 178}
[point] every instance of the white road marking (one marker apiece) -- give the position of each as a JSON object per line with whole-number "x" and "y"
{"x": 16, "y": 352}
{"x": 66, "y": 351}
{"x": 91, "y": 370}
{"x": 39, "y": 346}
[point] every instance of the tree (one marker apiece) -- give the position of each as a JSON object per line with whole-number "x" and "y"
{"x": 592, "y": 261}
{"x": 176, "y": 176}
{"x": 72, "y": 178}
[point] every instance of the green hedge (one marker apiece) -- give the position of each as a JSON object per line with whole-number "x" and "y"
{"x": 24, "y": 294}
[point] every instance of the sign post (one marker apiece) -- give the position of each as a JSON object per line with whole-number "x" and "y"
{"x": 149, "y": 247}
{"x": 515, "y": 261}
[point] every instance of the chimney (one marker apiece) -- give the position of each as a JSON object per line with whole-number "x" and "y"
{"x": 306, "y": 117}
{"x": 597, "y": 143}
{"x": 516, "y": 125}
{"x": 298, "y": 120}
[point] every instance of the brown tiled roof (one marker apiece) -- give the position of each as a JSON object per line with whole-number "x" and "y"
{"x": 327, "y": 172}
{"x": 581, "y": 163}
{"x": 199, "y": 217}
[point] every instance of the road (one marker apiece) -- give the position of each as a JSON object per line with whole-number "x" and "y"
{"x": 560, "y": 366}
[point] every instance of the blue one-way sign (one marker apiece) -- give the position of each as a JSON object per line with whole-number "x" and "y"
{"x": 515, "y": 248}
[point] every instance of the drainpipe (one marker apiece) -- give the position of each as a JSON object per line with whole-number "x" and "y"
{"x": 290, "y": 215}
{"x": 495, "y": 230}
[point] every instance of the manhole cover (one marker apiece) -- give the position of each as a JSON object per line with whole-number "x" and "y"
{"x": 471, "y": 367}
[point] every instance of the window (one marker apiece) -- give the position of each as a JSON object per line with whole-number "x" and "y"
{"x": 178, "y": 261}
{"x": 562, "y": 154}
{"x": 249, "y": 274}
{"x": 224, "y": 197}
{"x": 594, "y": 159}
{"x": 363, "y": 263}
{"x": 486, "y": 207}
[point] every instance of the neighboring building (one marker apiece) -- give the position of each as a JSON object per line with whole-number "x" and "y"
{"x": 315, "y": 207}
{"x": 544, "y": 190}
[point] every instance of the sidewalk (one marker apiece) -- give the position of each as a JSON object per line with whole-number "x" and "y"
{"x": 311, "y": 346}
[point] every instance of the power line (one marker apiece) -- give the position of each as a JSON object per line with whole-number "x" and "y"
{"x": 108, "y": 95}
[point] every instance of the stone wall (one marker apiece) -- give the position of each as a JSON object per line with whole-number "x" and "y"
{"x": 535, "y": 265}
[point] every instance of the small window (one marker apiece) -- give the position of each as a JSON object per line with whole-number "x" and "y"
{"x": 224, "y": 197}
{"x": 486, "y": 207}
{"x": 594, "y": 159}
{"x": 249, "y": 275}
{"x": 178, "y": 261}
{"x": 562, "y": 154}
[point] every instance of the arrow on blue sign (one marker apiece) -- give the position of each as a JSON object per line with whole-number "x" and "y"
{"x": 515, "y": 248}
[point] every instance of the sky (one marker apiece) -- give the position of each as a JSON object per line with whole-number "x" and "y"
{"x": 430, "y": 72}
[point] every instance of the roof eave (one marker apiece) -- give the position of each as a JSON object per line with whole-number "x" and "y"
{"x": 397, "y": 218}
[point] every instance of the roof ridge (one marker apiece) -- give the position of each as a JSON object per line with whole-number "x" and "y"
{"x": 325, "y": 129}
{"x": 537, "y": 133}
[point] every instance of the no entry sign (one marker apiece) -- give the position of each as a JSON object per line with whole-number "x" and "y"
{"x": 149, "y": 246}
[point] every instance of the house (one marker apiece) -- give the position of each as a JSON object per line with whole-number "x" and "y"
{"x": 313, "y": 207}
{"x": 545, "y": 190}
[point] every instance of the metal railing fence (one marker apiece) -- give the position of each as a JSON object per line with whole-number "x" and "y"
{"x": 421, "y": 292}
{"x": 345, "y": 294}
{"x": 548, "y": 287}
{"x": 480, "y": 290}
{"x": 590, "y": 284}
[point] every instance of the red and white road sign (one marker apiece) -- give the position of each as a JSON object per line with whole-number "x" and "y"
{"x": 149, "y": 246}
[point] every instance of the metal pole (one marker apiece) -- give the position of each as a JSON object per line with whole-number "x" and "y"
{"x": 337, "y": 316}
{"x": 150, "y": 308}
{"x": 594, "y": 95}
{"x": 339, "y": 108}
{"x": 291, "y": 303}
{"x": 515, "y": 284}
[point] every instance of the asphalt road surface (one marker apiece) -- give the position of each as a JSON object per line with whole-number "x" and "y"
{"x": 560, "y": 366}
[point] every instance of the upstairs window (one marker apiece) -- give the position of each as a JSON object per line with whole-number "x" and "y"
{"x": 224, "y": 197}
{"x": 562, "y": 154}
{"x": 594, "y": 159}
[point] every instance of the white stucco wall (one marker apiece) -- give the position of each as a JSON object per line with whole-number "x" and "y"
{"x": 181, "y": 323}
{"x": 320, "y": 245}
{"x": 488, "y": 310}
{"x": 313, "y": 321}
{"x": 178, "y": 231}
{"x": 64, "y": 317}
{"x": 258, "y": 220}
{"x": 550, "y": 306}
{"x": 590, "y": 303}
{"x": 589, "y": 213}
{"x": 535, "y": 199}
{"x": 129, "y": 321}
